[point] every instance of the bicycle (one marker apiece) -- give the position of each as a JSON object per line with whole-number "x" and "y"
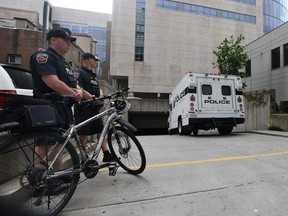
{"x": 44, "y": 182}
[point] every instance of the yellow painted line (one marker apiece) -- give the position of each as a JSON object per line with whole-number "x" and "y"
{"x": 211, "y": 160}
{"x": 216, "y": 160}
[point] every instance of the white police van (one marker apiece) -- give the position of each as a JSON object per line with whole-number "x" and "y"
{"x": 206, "y": 101}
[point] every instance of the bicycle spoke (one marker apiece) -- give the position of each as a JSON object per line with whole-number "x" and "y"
{"x": 25, "y": 180}
{"x": 127, "y": 150}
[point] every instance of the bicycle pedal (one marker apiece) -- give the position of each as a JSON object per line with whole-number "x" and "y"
{"x": 113, "y": 169}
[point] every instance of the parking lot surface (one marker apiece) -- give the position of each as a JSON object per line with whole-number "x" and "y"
{"x": 240, "y": 174}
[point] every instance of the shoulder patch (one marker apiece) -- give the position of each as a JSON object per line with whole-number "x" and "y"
{"x": 42, "y": 58}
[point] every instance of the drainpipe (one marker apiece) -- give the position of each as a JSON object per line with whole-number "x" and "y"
{"x": 44, "y": 44}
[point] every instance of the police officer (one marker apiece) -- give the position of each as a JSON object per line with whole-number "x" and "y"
{"x": 51, "y": 72}
{"x": 87, "y": 80}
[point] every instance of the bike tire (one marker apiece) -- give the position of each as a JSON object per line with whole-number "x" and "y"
{"x": 23, "y": 183}
{"x": 127, "y": 150}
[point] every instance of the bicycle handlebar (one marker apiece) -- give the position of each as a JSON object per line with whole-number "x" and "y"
{"x": 109, "y": 96}
{"x": 103, "y": 97}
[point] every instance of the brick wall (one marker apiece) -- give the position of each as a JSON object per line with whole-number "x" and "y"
{"x": 19, "y": 41}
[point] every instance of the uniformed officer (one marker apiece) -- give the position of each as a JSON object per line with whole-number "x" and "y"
{"x": 51, "y": 72}
{"x": 87, "y": 80}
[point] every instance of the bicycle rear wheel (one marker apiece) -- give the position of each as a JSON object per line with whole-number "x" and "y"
{"x": 127, "y": 150}
{"x": 25, "y": 180}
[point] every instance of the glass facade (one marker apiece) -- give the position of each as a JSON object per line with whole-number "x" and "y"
{"x": 207, "y": 11}
{"x": 96, "y": 32}
{"x": 275, "y": 13}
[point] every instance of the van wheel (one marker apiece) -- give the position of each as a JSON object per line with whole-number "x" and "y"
{"x": 180, "y": 127}
{"x": 195, "y": 132}
{"x": 182, "y": 130}
{"x": 224, "y": 130}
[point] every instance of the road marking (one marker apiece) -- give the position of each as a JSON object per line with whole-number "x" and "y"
{"x": 216, "y": 160}
{"x": 208, "y": 160}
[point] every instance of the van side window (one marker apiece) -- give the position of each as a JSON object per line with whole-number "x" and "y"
{"x": 226, "y": 90}
{"x": 206, "y": 89}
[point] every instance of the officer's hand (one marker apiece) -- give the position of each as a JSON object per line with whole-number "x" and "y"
{"x": 78, "y": 94}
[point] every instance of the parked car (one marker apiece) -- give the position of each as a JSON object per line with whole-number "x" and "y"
{"x": 14, "y": 80}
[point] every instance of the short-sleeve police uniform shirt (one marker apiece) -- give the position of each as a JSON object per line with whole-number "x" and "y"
{"x": 87, "y": 80}
{"x": 48, "y": 62}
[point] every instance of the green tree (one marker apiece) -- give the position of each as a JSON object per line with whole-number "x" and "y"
{"x": 231, "y": 56}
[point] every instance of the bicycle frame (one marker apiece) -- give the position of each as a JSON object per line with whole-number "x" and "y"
{"x": 46, "y": 164}
{"x": 111, "y": 112}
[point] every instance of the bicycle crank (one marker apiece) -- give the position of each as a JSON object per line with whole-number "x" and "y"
{"x": 90, "y": 168}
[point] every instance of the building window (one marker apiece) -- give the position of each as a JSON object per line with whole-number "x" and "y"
{"x": 14, "y": 59}
{"x": 140, "y": 29}
{"x": 275, "y": 58}
{"x": 251, "y": 2}
{"x": 285, "y": 51}
{"x": 207, "y": 11}
{"x": 248, "y": 68}
{"x": 139, "y": 53}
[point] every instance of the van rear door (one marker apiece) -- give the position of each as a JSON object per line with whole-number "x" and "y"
{"x": 217, "y": 95}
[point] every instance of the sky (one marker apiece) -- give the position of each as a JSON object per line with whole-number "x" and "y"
{"x": 102, "y": 6}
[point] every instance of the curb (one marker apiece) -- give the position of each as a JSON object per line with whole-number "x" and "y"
{"x": 271, "y": 133}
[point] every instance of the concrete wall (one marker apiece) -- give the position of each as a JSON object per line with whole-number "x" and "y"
{"x": 258, "y": 107}
{"x": 10, "y": 14}
{"x": 279, "y": 121}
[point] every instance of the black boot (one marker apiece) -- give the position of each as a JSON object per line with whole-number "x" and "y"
{"x": 107, "y": 156}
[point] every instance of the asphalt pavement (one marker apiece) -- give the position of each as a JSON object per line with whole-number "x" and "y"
{"x": 118, "y": 198}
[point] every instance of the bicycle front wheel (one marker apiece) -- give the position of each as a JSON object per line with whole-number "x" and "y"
{"x": 25, "y": 180}
{"x": 127, "y": 150}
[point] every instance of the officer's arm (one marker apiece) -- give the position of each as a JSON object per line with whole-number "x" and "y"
{"x": 86, "y": 94}
{"x": 53, "y": 82}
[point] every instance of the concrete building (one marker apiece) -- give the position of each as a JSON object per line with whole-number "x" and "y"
{"x": 32, "y": 6}
{"x": 154, "y": 42}
{"x": 86, "y": 25}
{"x": 78, "y": 21}
{"x": 86, "y": 22}
{"x": 268, "y": 63}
